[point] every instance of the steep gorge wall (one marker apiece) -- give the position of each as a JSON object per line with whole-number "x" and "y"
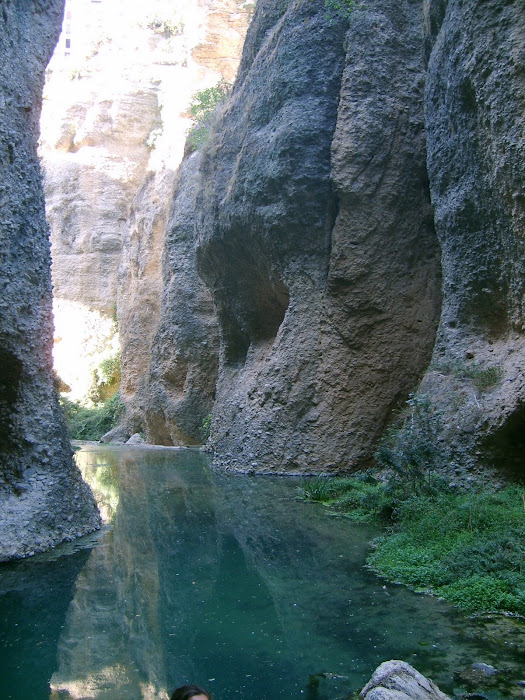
{"x": 166, "y": 320}
{"x": 315, "y": 237}
{"x": 360, "y": 177}
{"x": 114, "y": 126}
{"x": 43, "y": 499}
{"x": 475, "y": 100}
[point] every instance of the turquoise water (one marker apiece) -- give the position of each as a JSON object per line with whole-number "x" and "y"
{"x": 226, "y": 581}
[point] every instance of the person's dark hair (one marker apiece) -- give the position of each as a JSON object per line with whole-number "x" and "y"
{"x": 185, "y": 692}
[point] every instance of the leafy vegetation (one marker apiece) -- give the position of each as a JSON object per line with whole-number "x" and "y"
{"x": 85, "y": 423}
{"x": 466, "y": 546}
{"x": 166, "y": 25}
{"x": 362, "y": 498}
{"x": 412, "y": 451}
{"x": 343, "y": 8}
{"x": 203, "y": 111}
{"x": 106, "y": 379}
{"x": 206, "y": 427}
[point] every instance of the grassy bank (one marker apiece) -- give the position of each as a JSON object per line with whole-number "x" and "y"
{"x": 467, "y": 546}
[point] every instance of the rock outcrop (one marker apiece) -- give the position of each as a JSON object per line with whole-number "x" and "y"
{"x": 397, "y": 680}
{"x": 166, "y": 320}
{"x": 113, "y": 133}
{"x": 360, "y": 177}
{"x": 180, "y": 387}
{"x": 315, "y": 236}
{"x": 43, "y": 499}
{"x": 476, "y": 143}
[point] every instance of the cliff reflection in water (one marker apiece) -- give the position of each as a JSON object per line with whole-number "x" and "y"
{"x": 230, "y": 582}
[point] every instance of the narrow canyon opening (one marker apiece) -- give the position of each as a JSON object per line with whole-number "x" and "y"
{"x": 116, "y": 113}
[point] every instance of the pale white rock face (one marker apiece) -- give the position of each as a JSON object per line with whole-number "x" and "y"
{"x": 83, "y": 339}
{"x": 113, "y": 130}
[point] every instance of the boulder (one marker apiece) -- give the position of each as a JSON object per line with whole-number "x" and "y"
{"x": 397, "y": 680}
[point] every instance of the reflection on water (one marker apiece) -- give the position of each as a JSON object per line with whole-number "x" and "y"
{"x": 226, "y": 581}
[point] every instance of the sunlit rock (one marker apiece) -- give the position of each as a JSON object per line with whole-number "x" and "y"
{"x": 114, "y": 126}
{"x": 397, "y": 680}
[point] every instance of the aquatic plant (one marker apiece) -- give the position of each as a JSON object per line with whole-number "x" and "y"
{"x": 361, "y": 498}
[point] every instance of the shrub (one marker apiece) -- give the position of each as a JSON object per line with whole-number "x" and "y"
{"x": 343, "y": 8}
{"x": 412, "y": 451}
{"x": 206, "y": 427}
{"x": 203, "y": 111}
{"x": 86, "y": 423}
{"x": 106, "y": 379}
{"x": 165, "y": 25}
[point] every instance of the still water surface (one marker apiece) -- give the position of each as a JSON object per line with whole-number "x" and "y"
{"x": 226, "y": 581}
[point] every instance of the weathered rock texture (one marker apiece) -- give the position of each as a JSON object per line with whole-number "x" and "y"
{"x": 316, "y": 237}
{"x": 43, "y": 499}
{"x": 349, "y": 163}
{"x": 181, "y": 385}
{"x": 476, "y": 145}
{"x": 114, "y": 128}
{"x": 165, "y": 312}
{"x": 397, "y": 680}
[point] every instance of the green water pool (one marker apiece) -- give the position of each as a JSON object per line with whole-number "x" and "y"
{"x": 223, "y": 580}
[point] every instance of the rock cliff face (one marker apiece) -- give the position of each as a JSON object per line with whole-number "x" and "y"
{"x": 113, "y": 131}
{"x": 181, "y": 385}
{"x": 476, "y": 141}
{"x": 325, "y": 279}
{"x": 360, "y": 178}
{"x": 43, "y": 500}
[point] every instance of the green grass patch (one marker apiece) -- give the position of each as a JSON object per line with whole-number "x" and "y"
{"x": 361, "y": 498}
{"x": 91, "y": 423}
{"x": 465, "y": 546}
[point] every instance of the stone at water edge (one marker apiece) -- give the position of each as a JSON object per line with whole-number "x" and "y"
{"x": 136, "y": 439}
{"x": 397, "y": 680}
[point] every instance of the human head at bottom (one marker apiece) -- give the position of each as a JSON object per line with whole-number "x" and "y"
{"x": 188, "y": 692}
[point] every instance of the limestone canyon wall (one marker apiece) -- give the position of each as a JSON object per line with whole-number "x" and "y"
{"x": 362, "y": 191}
{"x": 43, "y": 499}
{"x": 475, "y": 98}
{"x": 113, "y": 132}
{"x": 326, "y": 281}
